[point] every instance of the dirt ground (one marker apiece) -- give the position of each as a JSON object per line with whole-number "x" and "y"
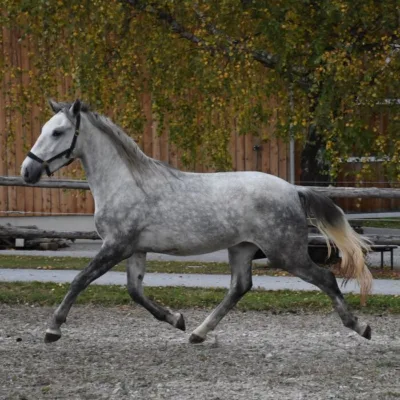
{"x": 123, "y": 353}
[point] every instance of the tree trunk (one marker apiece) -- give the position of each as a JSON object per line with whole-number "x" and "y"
{"x": 314, "y": 169}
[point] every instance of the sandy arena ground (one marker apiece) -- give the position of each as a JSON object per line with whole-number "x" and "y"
{"x": 123, "y": 353}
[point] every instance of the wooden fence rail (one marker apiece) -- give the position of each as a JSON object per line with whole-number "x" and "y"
{"x": 358, "y": 193}
{"x": 45, "y": 183}
{"x": 336, "y": 192}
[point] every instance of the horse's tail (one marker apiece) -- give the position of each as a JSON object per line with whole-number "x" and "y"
{"x": 332, "y": 223}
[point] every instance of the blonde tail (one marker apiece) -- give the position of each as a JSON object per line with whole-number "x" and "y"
{"x": 332, "y": 223}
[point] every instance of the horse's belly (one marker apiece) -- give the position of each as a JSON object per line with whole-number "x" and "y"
{"x": 185, "y": 243}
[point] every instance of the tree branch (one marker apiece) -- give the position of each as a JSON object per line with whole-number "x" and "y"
{"x": 165, "y": 16}
{"x": 263, "y": 57}
{"x": 268, "y": 60}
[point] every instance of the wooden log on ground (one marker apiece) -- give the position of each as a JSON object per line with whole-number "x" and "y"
{"x": 22, "y": 233}
{"x": 24, "y": 226}
{"x": 384, "y": 239}
{"x": 375, "y": 239}
{"x": 46, "y": 243}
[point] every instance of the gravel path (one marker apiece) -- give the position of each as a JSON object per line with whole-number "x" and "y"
{"x": 123, "y": 353}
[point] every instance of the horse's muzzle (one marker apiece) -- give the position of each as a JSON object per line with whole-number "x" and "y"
{"x": 31, "y": 172}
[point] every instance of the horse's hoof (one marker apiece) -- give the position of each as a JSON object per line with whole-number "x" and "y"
{"x": 195, "y": 339}
{"x": 367, "y": 333}
{"x": 51, "y": 337}
{"x": 181, "y": 323}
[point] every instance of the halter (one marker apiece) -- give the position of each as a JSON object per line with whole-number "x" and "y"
{"x": 66, "y": 152}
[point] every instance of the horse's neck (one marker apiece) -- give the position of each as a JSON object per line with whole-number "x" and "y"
{"x": 104, "y": 167}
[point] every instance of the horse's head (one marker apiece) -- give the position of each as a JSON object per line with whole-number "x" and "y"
{"x": 55, "y": 146}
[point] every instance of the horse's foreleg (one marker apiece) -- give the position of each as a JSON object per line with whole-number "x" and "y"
{"x": 240, "y": 258}
{"x": 107, "y": 257}
{"x": 136, "y": 268}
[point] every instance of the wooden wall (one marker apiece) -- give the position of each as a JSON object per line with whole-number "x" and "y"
{"x": 19, "y": 131}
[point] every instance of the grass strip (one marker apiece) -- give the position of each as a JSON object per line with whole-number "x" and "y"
{"x": 170, "y": 267}
{"x": 50, "y": 294}
{"x": 392, "y": 223}
{"x": 78, "y": 263}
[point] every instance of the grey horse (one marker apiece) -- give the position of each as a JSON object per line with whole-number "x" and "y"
{"x": 143, "y": 205}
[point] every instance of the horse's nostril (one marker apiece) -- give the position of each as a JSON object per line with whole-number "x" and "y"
{"x": 26, "y": 174}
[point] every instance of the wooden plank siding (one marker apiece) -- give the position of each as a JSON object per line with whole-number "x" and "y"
{"x": 3, "y": 127}
{"x": 19, "y": 131}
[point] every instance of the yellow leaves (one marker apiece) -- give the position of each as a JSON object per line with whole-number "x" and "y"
{"x": 112, "y": 62}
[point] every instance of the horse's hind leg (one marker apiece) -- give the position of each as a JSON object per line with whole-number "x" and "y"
{"x": 326, "y": 281}
{"x": 240, "y": 258}
{"x": 136, "y": 268}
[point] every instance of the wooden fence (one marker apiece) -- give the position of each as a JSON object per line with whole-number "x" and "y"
{"x": 378, "y": 178}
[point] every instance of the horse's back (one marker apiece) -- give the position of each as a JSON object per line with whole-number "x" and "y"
{"x": 241, "y": 199}
{"x": 243, "y": 185}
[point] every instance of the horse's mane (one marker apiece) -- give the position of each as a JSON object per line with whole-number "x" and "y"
{"x": 136, "y": 161}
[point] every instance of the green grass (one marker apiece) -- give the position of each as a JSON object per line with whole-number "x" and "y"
{"x": 177, "y": 267}
{"x": 73, "y": 263}
{"x": 50, "y": 294}
{"x": 393, "y": 223}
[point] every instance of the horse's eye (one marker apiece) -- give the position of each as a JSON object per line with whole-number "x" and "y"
{"x": 57, "y": 132}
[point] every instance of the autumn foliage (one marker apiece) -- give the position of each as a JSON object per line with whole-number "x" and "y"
{"x": 329, "y": 65}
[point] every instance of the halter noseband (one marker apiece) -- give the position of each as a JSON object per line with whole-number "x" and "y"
{"x": 66, "y": 153}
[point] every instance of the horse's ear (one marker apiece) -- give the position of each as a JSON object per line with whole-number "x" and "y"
{"x": 56, "y": 107}
{"x": 75, "y": 108}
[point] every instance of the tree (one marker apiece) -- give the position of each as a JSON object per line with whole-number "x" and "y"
{"x": 329, "y": 66}
{"x": 338, "y": 59}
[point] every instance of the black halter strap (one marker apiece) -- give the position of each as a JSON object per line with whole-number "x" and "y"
{"x": 66, "y": 153}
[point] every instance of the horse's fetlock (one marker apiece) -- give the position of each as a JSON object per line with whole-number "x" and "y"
{"x": 350, "y": 323}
